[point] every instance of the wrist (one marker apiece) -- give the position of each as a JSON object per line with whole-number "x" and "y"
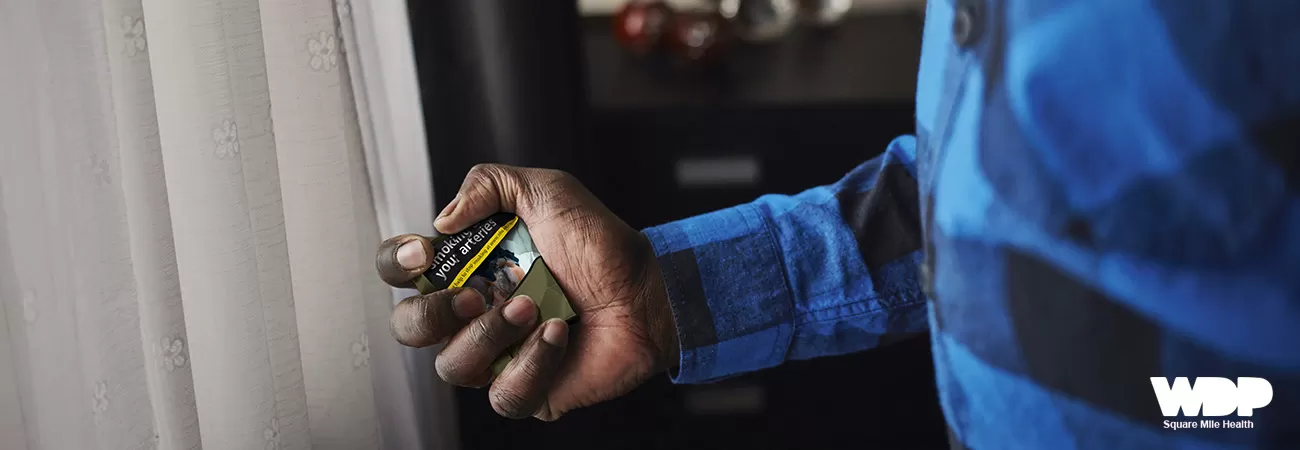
{"x": 653, "y": 297}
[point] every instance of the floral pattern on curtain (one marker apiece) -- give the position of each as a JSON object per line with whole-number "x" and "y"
{"x": 187, "y": 231}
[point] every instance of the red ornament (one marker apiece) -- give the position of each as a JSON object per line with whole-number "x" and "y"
{"x": 698, "y": 36}
{"x": 640, "y": 25}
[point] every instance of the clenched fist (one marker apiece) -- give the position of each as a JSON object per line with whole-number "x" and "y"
{"x": 625, "y": 331}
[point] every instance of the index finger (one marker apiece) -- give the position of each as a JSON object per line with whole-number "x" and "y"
{"x": 424, "y": 320}
{"x": 487, "y": 189}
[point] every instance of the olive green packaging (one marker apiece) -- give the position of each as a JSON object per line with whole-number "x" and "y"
{"x": 496, "y": 257}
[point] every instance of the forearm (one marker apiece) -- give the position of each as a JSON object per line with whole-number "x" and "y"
{"x": 831, "y": 270}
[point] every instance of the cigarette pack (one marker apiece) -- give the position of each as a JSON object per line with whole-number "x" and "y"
{"x": 497, "y": 257}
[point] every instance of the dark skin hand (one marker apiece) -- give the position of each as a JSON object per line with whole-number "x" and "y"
{"x": 625, "y": 332}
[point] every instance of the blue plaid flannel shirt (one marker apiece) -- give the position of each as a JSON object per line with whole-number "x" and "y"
{"x": 1098, "y": 192}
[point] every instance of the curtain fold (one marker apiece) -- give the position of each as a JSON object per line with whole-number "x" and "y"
{"x": 187, "y": 227}
{"x": 380, "y": 55}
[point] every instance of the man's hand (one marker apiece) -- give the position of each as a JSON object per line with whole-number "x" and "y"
{"x": 625, "y": 332}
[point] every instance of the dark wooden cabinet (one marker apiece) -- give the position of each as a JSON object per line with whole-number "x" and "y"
{"x": 666, "y": 164}
{"x": 657, "y": 142}
{"x": 775, "y": 118}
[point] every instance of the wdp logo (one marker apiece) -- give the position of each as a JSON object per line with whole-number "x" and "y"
{"x": 1212, "y": 396}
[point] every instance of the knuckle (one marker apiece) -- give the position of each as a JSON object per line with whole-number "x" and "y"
{"x": 439, "y": 314}
{"x": 482, "y": 192}
{"x": 491, "y": 184}
{"x": 480, "y": 169}
{"x": 528, "y": 368}
{"x": 409, "y": 325}
{"x": 477, "y": 176}
{"x": 482, "y": 333}
{"x": 490, "y": 172}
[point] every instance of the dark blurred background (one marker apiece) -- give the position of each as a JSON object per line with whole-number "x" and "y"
{"x": 538, "y": 83}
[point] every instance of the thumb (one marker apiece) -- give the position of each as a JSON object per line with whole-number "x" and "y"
{"x": 489, "y": 189}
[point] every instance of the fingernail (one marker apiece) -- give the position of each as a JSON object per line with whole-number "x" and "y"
{"x": 468, "y": 304}
{"x": 520, "y": 311}
{"x": 410, "y": 255}
{"x": 554, "y": 333}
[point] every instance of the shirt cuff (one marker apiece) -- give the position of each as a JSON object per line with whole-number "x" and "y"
{"x": 727, "y": 287}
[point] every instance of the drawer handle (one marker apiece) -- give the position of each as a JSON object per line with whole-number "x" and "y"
{"x": 726, "y": 400}
{"x": 734, "y": 171}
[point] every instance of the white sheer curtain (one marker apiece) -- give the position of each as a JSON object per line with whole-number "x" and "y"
{"x": 187, "y": 228}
